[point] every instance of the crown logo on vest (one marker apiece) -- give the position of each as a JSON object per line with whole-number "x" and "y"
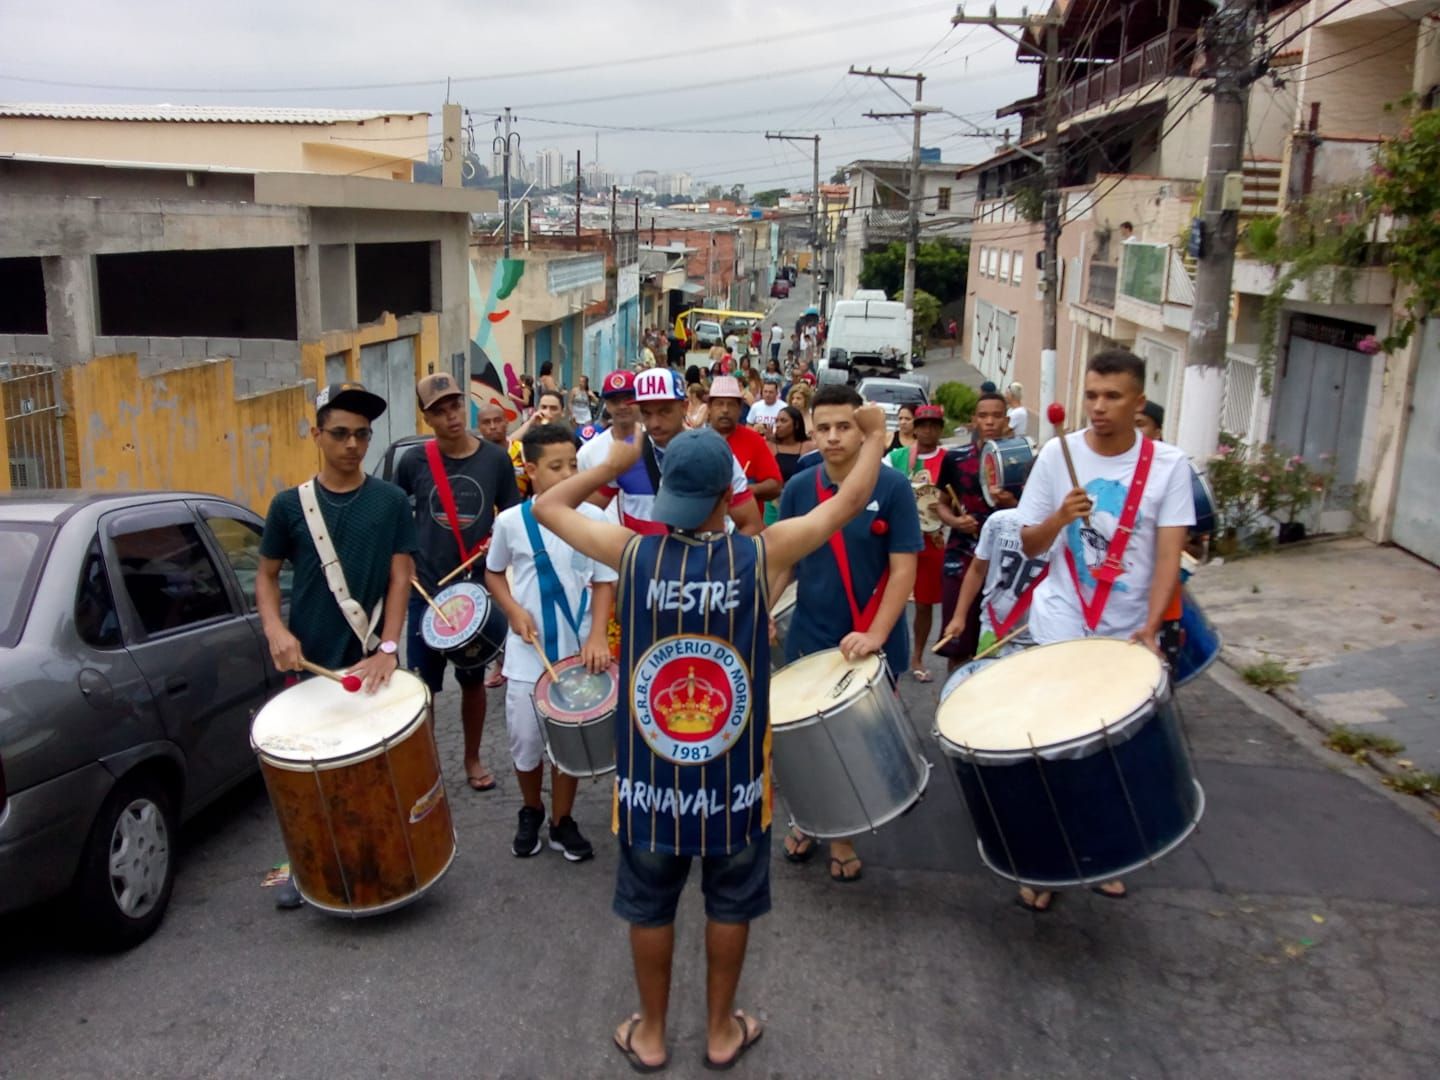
{"x": 690, "y": 706}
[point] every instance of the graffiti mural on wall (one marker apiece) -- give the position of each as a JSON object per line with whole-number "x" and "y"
{"x": 493, "y": 379}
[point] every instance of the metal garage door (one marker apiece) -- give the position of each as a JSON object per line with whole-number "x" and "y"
{"x": 388, "y": 368}
{"x": 1417, "y": 503}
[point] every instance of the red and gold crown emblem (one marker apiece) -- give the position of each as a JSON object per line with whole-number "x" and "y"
{"x": 690, "y": 706}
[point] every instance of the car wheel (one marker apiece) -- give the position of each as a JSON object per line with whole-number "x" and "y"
{"x": 128, "y": 867}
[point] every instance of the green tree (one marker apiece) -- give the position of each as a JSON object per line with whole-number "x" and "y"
{"x": 714, "y": 191}
{"x": 941, "y": 269}
{"x": 927, "y": 312}
{"x": 770, "y": 197}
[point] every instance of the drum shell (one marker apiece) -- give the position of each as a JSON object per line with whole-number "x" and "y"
{"x": 1200, "y": 642}
{"x": 1031, "y": 810}
{"x": 784, "y": 615}
{"x": 370, "y": 832}
{"x": 1204, "y": 503}
{"x": 1012, "y": 460}
{"x": 581, "y": 750}
{"x": 485, "y": 644}
{"x": 853, "y": 768}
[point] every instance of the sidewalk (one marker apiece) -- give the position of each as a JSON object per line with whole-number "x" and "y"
{"x": 1359, "y": 624}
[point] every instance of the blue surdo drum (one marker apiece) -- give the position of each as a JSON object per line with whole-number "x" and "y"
{"x": 1199, "y": 643}
{"x": 1204, "y": 503}
{"x": 1071, "y": 761}
{"x": 1005, "y": 463}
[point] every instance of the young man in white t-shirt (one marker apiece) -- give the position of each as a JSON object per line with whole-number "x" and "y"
{"x": 549, "y": 452}
{"x": 1003, "y": 578}
{"x": 1071, "y": 602}
{"x": 763, "y": 413}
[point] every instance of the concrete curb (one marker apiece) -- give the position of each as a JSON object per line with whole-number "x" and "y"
{"x": 1297, "y": 705}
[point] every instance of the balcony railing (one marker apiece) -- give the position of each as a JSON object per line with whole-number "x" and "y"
{"x": 887, "y": 224}
{"x": 1100, "y": 289}
{"x": 1168, "y": 54}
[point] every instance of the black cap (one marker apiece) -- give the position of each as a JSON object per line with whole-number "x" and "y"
{"x": 1155, "y": 412}
{"x": 987, "y": 387}
{"x": 352, "y": 397}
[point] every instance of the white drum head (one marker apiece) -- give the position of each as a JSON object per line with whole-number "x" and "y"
{"x": 319, "y": 720}
{"x": 786, "y": 601}
{"x": 818, "y": 683}
{"x": 1050, "y": 694}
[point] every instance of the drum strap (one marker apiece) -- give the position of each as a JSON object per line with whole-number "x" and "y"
{"x": 859, "y": 620}
{"x": 1022, "y": 605}
{"x": 363, "y": 626}
{"x": 447, "y": 498}
{"x": 552, "y": 592}
{"x": 1112, "y": 567}
{"x": 652, "y": 463}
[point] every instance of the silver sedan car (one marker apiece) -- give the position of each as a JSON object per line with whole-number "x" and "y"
{"x": 133, "y": 662}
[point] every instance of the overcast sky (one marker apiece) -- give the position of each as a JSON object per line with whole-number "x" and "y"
{"x": 729, "y": 70}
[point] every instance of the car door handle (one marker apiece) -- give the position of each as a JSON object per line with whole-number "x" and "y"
{"x": 176, "y": 685}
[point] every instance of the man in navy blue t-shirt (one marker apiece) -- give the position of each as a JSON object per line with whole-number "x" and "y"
{"x": 873, "y": 582}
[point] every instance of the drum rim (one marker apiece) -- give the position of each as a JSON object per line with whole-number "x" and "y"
{"x": 590, "y": 716}
{"x": 882, "y": 669}
{"x": 483, "y": 614}
{"x": 314, "y": 764}
{"x": 1162, "y": 693}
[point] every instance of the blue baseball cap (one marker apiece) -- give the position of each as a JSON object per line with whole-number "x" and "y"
{"x": 696, "y": 470}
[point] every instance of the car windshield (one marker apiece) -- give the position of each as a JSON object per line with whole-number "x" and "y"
{"x": 707, "y": 329}
{"x": 893, "y": 393}
{"x": 21, "y": 547}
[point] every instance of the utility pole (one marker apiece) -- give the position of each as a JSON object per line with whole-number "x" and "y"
{"x": 1052, "y": 167}
{"x": 916, "y": 195}
{"x": 814, "y": 209}
{"x": 577, "y": 195}
{"x": 503, "y": 145}
{"x": 1213, "y": 237}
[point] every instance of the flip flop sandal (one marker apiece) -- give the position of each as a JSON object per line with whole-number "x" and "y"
{"x": 629, "y": 1051}
{"x": 921, "y": 675}
{"x": 478, "y": 782}
{"x": 747, "y": 1040}
{"x": 805, "y": 848}
{"x": 841, "y": 878}
{"x": 1036, "y": 909}
{"x": 1098, "y": 891}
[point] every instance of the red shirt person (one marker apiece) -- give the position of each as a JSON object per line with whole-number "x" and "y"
{"x": 756, "y": 459}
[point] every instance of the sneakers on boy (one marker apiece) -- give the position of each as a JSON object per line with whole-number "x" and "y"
{"x": 527, "y": 833}
{"x": 565, "y": 837}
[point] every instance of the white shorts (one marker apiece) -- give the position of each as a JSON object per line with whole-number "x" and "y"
{"x": 527, "y": 744}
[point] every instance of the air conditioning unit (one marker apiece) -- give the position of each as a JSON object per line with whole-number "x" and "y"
{"x": 26, "y": 473}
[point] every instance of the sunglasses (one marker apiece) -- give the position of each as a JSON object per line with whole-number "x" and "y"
{"x": 345, "y": 434}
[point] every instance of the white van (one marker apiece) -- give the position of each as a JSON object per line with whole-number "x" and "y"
{"x": 866, "y": 338}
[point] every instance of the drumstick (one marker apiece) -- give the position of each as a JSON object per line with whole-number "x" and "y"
{"x": 461, "y": 568}
{"x": 997, "y": 644}
{"x": 942, "y": 643}
{"x": 549, "y": 668}
{"x": 350, "y": 682}
{"x": 433, "y": 606}
{"x": 953, "y": 497}
{"x": 1056, "y": 415}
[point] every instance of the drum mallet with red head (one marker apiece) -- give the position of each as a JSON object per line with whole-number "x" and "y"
{"x": 1056, "y": 415}
{"x": 351, "y": 683}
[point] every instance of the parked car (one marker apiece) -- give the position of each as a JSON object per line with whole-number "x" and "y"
{"x": 781, "y": 289}
{"x": 890, "y": 394}
{"x": 133, "y": 662}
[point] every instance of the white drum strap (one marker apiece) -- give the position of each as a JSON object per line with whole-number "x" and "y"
{"x": 363, "y": 626}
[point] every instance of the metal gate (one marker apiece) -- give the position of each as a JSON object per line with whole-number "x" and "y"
{"x": 30, "y": 396}
{"x": 1417, "y": 507}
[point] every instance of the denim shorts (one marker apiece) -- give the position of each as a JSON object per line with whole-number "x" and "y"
{"x": 425, "y": 661}
{"x": 648, "y": 884}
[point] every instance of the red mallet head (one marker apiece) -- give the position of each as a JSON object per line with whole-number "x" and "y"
{"x": 351, "y": 683}
{"x": 1056, "y": 414}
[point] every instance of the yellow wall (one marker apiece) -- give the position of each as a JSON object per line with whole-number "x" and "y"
{"x": 184, "y": 430}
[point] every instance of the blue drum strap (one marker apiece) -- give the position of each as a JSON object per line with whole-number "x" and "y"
{"x": 552, "y": 593}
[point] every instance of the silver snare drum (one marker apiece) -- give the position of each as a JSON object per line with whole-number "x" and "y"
{"x": 473, "y": 630}
{"x": 577, "y": 717}
{"x": 783, "y": 613}
{"x": 845, "y": 756}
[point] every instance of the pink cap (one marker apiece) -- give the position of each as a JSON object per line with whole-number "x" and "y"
{"x": 726, "y": 386}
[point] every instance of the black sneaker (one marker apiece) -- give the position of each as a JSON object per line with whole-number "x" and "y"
{"x": 527, "y": 833}
{"x": 565, "y": 837}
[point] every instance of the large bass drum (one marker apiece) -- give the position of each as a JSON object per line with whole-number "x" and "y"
{"x": 1071, "y": 762}
{"x": 845, "y": 756}
{"x": 355, "y": 782}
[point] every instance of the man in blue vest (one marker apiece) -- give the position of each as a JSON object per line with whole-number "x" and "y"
{"x": 692, "y": 722}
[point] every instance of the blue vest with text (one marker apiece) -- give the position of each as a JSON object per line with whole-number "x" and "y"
{"x": 692, "y": 726}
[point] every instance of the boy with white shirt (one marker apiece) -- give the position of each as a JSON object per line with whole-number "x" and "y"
{"x": 1003, "y": 578}
{"x": 1114, "y": 536}
{"x": 580, "y": 595}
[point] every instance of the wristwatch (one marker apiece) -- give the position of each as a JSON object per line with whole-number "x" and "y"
{"x": 389, "y": 648}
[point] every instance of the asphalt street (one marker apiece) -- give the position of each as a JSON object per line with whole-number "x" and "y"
{"x": 1295, "y": 934}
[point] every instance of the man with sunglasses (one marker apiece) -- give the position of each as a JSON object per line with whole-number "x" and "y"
{"x": 459, "y": 483}
{"x": 369, "y": 525}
